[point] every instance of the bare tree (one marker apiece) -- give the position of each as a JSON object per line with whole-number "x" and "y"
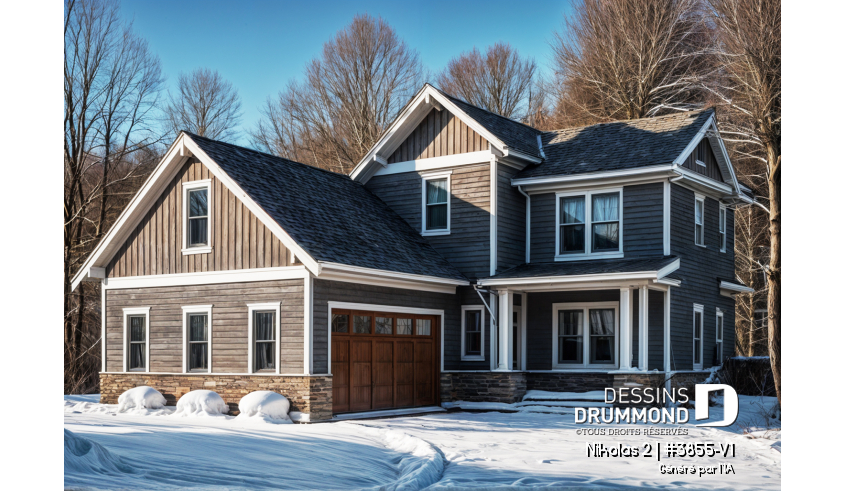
{"x": 748, "y": 84}
{"x": 111, "y": 85}
{"x": 204, "y": 104}
{"x": 349, "y": 96}
{"x": 628, "y": 59}
{"x": 500, "y": 80}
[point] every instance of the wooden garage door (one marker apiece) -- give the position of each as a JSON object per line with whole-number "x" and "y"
{"x": 383, "y": 360}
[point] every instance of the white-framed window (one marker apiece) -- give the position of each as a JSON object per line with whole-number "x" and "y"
{"x": 263, "y": 353}
{"x": 196, "y": 336}
{"x": 196, "y": 225}
{"x": 700, "y": 153}
{"x": 136, "y": 339}
{"x": 723, "y": 228}
{"x": 720, "y": 333}
{"x": 472, "y": 332}
{"x": 436, "y": 203}
{"x": 697, "y": 336}
{"x": 699, "y": 219}
{"x": 589, "y": 224}
{"x": 585, "y": 335}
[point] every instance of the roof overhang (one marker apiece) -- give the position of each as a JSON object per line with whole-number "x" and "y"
{"x": 356, "y": 274}
{"x": 640, "y": 175}
{"x": 728, "y": 289}
{"x": 655, "y": 277}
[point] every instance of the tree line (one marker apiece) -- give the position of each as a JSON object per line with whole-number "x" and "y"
{"x": 611, "y": 60}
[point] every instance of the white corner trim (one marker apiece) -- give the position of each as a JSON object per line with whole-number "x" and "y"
{"x": 308, "y": 314}
{"x": 424, "y": 213}
{"x": 145, "y": 311}
{"x": 436, "y": 163}
{"x": 103, "y": 328}
{"x": 464, "y": 309}
{"x": 494, "y": 219}
{"x": 196, "y": 309}
{"x": 667, "y": 331}
{"x": 667, "y": 218}
{"x": 253, "y": 307}
{"x": 207, "y": 277}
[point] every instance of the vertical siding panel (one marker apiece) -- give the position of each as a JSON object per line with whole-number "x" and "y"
{"x": 165, "y": 233}
{"x": 238, "y": 235}
{"x": 233, "y": 229}
{"x": 430, "y": 146}
{"x": 154, "y": 245}
{"x": 450, "y": 135}
{"x": 268, "y": 247}
{"x": 437, "y": 128}
{"x": 224, "y": 229}
{"x": 181, "y": 260}
{"x": 259, "y": 242}
{"x": 218, "y": 224}
{"x": 174, "y": 225}
{"x": 253, "y": 239}
{"x": 245, "y": 238}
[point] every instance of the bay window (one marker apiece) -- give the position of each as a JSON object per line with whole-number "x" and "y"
{"x": 589, "y": 225}
{"x": 585, "y": 335}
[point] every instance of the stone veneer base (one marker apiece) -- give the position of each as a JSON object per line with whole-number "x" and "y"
{"x": 310, "y": 395}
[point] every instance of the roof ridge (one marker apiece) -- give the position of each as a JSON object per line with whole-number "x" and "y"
{"x": 662, "y": 116}
{"x": 486, "y": 110}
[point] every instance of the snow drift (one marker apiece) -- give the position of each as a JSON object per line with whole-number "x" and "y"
{"x": 84, "y": 457}
{"x": 421, "y": 466}
{"x": 267, "y": 405}
{"x": 143, "y": 397}
{"x": 201, "y": 403}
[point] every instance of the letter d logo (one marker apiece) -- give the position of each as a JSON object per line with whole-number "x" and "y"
{"x": 702, "y": 407}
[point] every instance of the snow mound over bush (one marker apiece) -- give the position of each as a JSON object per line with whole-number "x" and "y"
{"x": 267, "y": 405}
{"x": 420, "y": 467}
{"x": 201, "y": 403}
{"x": 84, "y": 457}
{"x": 143, "y": 397}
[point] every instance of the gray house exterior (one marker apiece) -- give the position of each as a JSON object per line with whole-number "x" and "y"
{"x": 466, "y": 257}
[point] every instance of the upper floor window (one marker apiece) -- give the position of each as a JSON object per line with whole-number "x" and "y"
{"x": 723, "y": 228}
{"x": 196, "y": 230}
{"x": 697, "y": 336}
{"x": 436, "y": 207}
{"x": 699, "y": 220}
{"x": 589, "y": 224}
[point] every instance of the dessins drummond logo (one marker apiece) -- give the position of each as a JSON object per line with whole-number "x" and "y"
{"x": 670, "y": 413}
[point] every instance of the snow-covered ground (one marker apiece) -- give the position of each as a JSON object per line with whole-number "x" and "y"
{"x": 461, "y": 450}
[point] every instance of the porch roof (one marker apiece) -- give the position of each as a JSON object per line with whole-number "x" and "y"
{"x": 600, "y": 269}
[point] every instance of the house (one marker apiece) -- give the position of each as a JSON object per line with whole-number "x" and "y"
{"x": 466, "y": 257}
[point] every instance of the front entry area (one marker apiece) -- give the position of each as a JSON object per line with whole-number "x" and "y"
{"x": 383, "y": 360}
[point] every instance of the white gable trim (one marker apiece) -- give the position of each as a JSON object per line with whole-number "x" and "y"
{"x": 710, "y": 125}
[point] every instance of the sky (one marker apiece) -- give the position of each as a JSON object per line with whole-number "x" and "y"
{"x": 260, "y": 45}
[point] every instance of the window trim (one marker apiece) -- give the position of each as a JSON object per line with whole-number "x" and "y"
{"x": 585, "y": 307}
{"x": 432, "y": 176}
{"x": 699, "y": 150}
{"x": 186, "y": 188}
{"x": 697, "y": 308}
{"x": 186, "y": 311}
{"x": 698, "y": 197}
{"x": 261, "y": 307}
{"x": 464, "y": 309}
{"x": 720, "y": 339}
{"x": 588, "y": 225}
{"x": 723, "y": 227}
{"x": 127, "y": 312}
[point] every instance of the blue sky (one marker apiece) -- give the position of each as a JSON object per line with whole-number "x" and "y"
{"x": 260, "y": 45}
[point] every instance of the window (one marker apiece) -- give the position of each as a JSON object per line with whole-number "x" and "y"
{"x": 263, "y": 337}
{"x": 723, "y": 228}
{"x": 384, "y": 325}
{"x": 436, "y": 218}
{"x": 699, "y": 220}
{"x": 361, "y": 324}
{"x": 404, "y": 326}
{"x": 196, "y": 231}
{"x": 472, "y": 332}
{"x": 589, "y": 225}
{"x": 196, "y": 322}
{"x": 700, "y": 155}
{"x": 720, "y": 327}
{"x": 136, "y": 335}
{"x": 585, "y": 335}
{"x": 697, "y": 336}
{"x": 423, "y": 327}
{"x": 358, "y": 322}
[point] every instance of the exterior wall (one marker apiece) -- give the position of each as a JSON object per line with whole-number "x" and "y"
{"x": 700, "y": 271}
{"x": 507, "y": 387}
{"x": 543, "y": 228}
{"x": 712, "y": 169}
{"x": 310, "y": 395}
{"x": 439, "y": 134}
{"x": 237, "y": 238}
{"x": 229, "y": 323}
{"x": 510, "y": 225}
{"x": 467, "y": 247}
{"x": 655, "y": 329}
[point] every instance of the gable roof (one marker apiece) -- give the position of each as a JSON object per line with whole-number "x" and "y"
{"x": 617, "y": 145}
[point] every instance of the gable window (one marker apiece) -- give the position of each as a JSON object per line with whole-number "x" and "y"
{"x": 585, "y": 335}
{"x": 697, "y": 336}
{"x": 196, "y": 331}
{"x": 196, "y": 231}
{"x": 700, "y": 155}
{"x": 472, "y": 332}
{"x": 699, "y": 220}
{"x": 264, "y": 337}
{"x": 723, "y": 228}
{"x": 136, "y": 335}
{"x": 436, "y": 205}
{"x": 720, "y": 328}
{"x": 589, "y": 225}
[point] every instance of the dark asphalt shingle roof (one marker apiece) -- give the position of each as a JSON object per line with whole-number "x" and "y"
{"x": 333, "y": 218}
{"x": 575, "y": 268}
{"x": 617, "y": 145}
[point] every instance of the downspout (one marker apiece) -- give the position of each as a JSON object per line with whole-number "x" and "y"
{"x": 527, "y": 224}
{"x": 494, "y": 325}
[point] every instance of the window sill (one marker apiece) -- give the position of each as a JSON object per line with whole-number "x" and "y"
{"x": 472, "y": 358}
{"x": 196, "y": 250}
{"x": 576, "y": 368}
{"x": 701, "y": 163}
{"x": 584, "y": 257}
{"x": 702, "y": 246}
{"x": 430, "y": 233}
{"x": 698, "y": 367}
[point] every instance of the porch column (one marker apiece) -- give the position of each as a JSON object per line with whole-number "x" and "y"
{"x": 523, "y": 332}
{"x": 667, "y": 332}
{"x": 625, "y": 335}
{"x": 505, "y": 330}
{"x": 494, "y": 331}
{"x": 643, "y": 323}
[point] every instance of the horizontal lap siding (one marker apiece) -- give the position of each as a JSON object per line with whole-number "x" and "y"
{"x": 440, "y": 133}
{"x": 642, "y": 220}
{"x": 229, "y": 318}
{"x": 510, "y": 221}
{"x": 543, "y": 228}
{"x": 655, "y": 330}
{"x": 238, "y": 239}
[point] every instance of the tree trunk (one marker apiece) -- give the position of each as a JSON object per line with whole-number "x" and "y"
{"x": 774, "y": 267}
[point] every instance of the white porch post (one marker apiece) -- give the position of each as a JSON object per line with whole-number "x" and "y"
{"x": 505, "y": 330}
{"x": 667, "y": 332}
{"x": 625, "y": 337}
{"x": 523, "y": 332}
{"x": 494, "y": 338}
{"x": 643, "y": 322}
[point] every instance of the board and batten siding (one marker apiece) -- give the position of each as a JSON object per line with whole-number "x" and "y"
{"x": 467, "y": 247}
{"x": 711, "y": 169}
{"x": 440, "y": 133}
{"x": 229, "y": 323}
{"x": 510, "y": 224}
{"x": 238, "y": 239}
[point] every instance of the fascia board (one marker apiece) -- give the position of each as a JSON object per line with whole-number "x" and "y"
{"x": 328, "y": 267}
{"x": 651, "y": 171}
{"x": 643, "y": 275}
